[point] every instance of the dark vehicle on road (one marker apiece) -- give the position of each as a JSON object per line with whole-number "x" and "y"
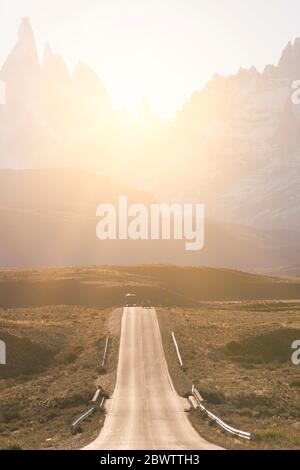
{"x": 131, "y": 300}
{"x": 146, "y": 304}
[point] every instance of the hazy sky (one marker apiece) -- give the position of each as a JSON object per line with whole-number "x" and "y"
{"x": 163, "y": 49}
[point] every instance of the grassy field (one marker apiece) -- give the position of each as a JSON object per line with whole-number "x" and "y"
{"x": 239, "y": 357}
{"x": 53, "y": 367}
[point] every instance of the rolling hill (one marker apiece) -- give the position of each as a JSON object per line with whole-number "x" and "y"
{"x": 48, "y": 218}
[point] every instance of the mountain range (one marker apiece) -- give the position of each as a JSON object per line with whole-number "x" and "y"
{"x": 48, "y": 218}
{"x": 235, "y": 146}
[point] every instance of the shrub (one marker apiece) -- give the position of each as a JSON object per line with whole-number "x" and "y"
{"x": 69, "y": 355}
{"x": 234, "y": 347}
{"x": 268, "y": 435}
{"x": 213, "y": 396}
{"x": 10, "y": 415}
{"x": 10, "y": 445}
{"x": 75, "y": 399}
{"x": 267, "y": 347}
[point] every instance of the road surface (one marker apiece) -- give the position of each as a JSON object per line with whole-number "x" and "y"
{"x": 145, "y": 412}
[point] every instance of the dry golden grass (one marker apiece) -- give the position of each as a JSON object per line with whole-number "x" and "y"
{"x": 256, "y": 390}
{"x": 168, "y": 285}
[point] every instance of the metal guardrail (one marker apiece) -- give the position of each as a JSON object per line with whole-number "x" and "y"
{"x": 102, "y": 402}
{"x": 82, "y": 418}
{"x": 95, "y": 397}
{"x": 196, "y": 401}
{"x": 89, "y": 412}
{"x": 222, "y": 424}
{"x": 197, "y": 394}
{"x": 193, "y": 402}
{"x": 177, "y": 350}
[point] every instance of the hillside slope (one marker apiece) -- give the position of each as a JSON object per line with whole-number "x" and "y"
{"x": 48, "y": 218}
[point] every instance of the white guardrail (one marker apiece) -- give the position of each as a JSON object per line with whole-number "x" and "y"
{"x": 89, "y": 412}
{"x": 82, "y": 418}
{"x": 197, "y": 402}
{"x": 95, "y": 397}
{"x": 105, "y": 351}
{"x": 177, "y": 350}
{"x": 225, "y": 426}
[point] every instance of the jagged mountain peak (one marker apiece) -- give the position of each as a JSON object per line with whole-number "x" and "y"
{"x": 25, "y": 30}
{"x": 289, "y": 63}
{"x": 83, "y": 70}
{"x": 53, "y": 65}
{"x": 47, "y": 52}
{"x": 247, "y": 72}
{"x": 269, "y": 70}
{"x": 47, "y": 58}
{"x": 85, "y": 78}
{"x": 21, "y": 70}
{"x": 24, "y": 53}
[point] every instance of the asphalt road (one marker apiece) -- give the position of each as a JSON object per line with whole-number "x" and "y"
{"x": 145, "y": 412}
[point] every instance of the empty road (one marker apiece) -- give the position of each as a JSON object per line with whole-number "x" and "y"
{"x": 145, "y": 412}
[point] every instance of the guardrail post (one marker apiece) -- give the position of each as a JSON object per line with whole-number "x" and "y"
{"x": 177, "y": 350}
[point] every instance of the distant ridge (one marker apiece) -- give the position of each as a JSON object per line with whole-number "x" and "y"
{"x": 48, "y": 218}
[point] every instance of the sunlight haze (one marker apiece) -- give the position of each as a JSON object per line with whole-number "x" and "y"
{"x": 164, "y": 50}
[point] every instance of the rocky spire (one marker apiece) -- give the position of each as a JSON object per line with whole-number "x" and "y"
{"x": 53, "y": 66}
{"x": 289, "y": 63}
{"x": 90, "y": 94}
{"x": 21, "y": 70}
